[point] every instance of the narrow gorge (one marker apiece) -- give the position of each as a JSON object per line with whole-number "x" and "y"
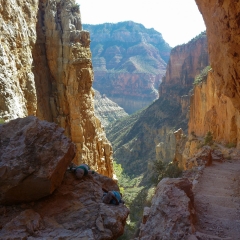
{"x": 171, "y": 117}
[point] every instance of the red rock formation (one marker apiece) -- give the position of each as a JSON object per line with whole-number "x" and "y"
{"x": 74, "y": 211}
{"x": 185, "y": 62}
{"x": 46, "y": 70}
{"x": 223, "y": 21}
{"x": 216, "y": 103}
{"x": 171, "y": 215}
{"x": 128, "y": 62}
{"x": 34, "y": 156}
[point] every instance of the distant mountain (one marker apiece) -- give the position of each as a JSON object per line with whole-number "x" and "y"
{"x": 129, "y": 61}
{"x": 106, "y": 110}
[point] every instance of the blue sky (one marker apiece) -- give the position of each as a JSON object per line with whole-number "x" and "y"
{"x": 178, "y": 20}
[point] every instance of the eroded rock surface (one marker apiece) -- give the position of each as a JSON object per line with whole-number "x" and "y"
{"x": 171, "y": 215}
{"x": 34, "y": 156}
{"x": 17, "y": 38}
{"x": 107, "y": 110}
{"x": 74, "y": 211}
{"x": 46, "y": 70}
{"x": 129, "y": 61}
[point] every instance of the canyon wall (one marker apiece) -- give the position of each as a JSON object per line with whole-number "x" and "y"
{"x": 129, "y": 61}
{"x": 17, "y": 39}
{"x": 47, "y": 72}
{"x": 216, "y": 103}
{"x": 106, "y": 110}
{"x": 151, "y": 135}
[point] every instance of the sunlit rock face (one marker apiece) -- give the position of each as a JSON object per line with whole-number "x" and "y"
{"x": 129, "y": 62}
{"x": 222, "y": 21}
{"x": 46, "y": 70}
{"x": 216, "y": 102}
{"x": 34, "y": 156}
{"x": 17, "y": 39}
{"x": 151, "y": 136}
{"x": 74, "y": 211}
{"x": 106, "y": 110}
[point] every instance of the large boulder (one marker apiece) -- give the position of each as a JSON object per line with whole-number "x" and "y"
{"x": 172, "y": 214}
{"x": 34, "y": 156}
{"x": 74, "y": 211}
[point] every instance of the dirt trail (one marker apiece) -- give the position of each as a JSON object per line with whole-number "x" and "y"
{"x": 217, "y": 202}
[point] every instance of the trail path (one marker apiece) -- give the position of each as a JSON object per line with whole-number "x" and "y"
{"x": 217, "y": 202}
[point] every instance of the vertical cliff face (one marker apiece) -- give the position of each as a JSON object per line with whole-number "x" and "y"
{"x": 216, "y": 103}
{"x": 47, "y": 71}
{"x": 17, "y": 38}
{"x": 210, "y": 112}
{"x": 185, "y": 62}
{"x": 151, "y": 136}
{"x": 222, "y": 20}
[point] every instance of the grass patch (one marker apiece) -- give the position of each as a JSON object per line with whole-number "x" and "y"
{"x": 202, "y": 76}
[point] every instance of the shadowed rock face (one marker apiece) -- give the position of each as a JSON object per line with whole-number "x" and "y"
{"x": 129, "y": 62}
{"x": 215, "y": 105}
{"x": 46, "y": 70}
{"x": 74, "y": 211}
{"x": 171, "y": 215}
{"x": 34, "y": 156}
{"x": 222, "y": 21}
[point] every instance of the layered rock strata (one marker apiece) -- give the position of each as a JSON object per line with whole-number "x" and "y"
{"x": 129, "y": 62}
{"x": 216, "y": 102}
{"x": 151, "y": 136}
{"x": 47, "y": 71}
{"x": 106, "y": 110}
{"x": 34, "y": 156}
{"x": 74, "y": 211}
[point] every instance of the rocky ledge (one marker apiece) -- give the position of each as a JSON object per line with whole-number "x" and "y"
{"x": 40, "y": 198}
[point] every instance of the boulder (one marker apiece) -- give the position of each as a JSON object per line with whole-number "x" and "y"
{"x": 171, "y": 215}
{"x": 34, "y": 156}
{"x": 74, "y": 211}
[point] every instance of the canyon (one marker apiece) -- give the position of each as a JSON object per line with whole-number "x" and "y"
{"x": 129, "y": 61}
{"x": 46, "y": 71}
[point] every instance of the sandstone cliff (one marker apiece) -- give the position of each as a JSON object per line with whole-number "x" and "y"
{"x": 129, "y": 62}
{"x": 151, "y": 135}
{"x": 216, "y": 102}
{"x": 46, "y": 71}
{"x": 106, "y": 110}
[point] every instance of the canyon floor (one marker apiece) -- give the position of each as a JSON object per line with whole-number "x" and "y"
{"x": 217, "y": 201}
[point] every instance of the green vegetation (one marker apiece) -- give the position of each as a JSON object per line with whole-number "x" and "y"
{"x": 163, "y": 170}
{"x": 202, "y": 76}
{"x": 75, "y": 7}
{"x": 2, "y": 121}
{"x": 208, "y": 139}
{"x": 231, "y": 145}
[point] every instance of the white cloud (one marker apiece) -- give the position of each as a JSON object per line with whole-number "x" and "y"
{"x": 178, "y": 20}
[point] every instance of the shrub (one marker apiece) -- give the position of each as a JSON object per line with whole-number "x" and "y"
{"x": 202, "y": 76}
{"x": 163, "y": 170}
{"x": 75, "y": 7}
{"x": 231, "y": 145}
{"x": 208, "y": 139}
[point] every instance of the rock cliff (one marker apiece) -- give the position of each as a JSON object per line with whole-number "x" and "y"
{"x": 216, "y": 102}
{"x": 151, "y": 135}
{"x": 106, "y": 110}
{"x": 46, "y": 71}
{"x": 129, "y": 62}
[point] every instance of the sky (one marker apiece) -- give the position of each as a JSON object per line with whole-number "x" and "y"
{"x": 177, "y": 20}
